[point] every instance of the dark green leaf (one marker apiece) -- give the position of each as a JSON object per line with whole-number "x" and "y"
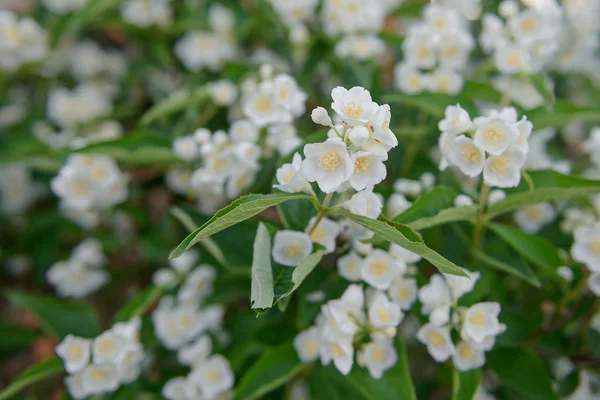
{"x": 465, "y": 384}
{"x": 522, "y": 271}
{"x": 58, "y": 317}
{"x": 44, "y": 370}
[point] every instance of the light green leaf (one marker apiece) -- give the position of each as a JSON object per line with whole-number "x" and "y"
{"x": 139, "y": 304}
{"x": 523, "y": 372}
{"x": 261, "y": 295}
{"x": 435, "y": 208}
{"x": 544, "y": 88}
{"x": 395, "y": 383}
{"x": 177, "y": 102}
{"x": 465, "y": 384}
{"x": 534, "y": 248}
{"x": 241, "y": 209}
{"x": 44, "y": 370}
{"x": 274, "y": 368}
{"x": 405, "y": 237}
{"x": 481, "y": 91}
{"x": 564, "y": 113}
{"x": 522, "y": 271}
{"x": 300, "y": 273}
{"x": 548, "y": 186}
{"x": 58, "y": 317}
{"x": 433, "y": 104}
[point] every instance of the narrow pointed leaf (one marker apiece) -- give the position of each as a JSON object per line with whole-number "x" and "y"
{"x": 300, "y": 273}
{"x": 261, "y": 295}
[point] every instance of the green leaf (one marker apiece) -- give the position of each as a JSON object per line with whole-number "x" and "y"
{"x": 435, "y": 208}
{"x": 534, "y": 248}
{"x": 139, "y": 304}
{"x": 44, "y": 370}
{"x": 522, "y": 271}
{"x": 395, "y": 383}
{"x": 238, "y": 211}
{"x": 177, "y": 102}
{"x": 481, "y": 91}
{"x": 465, "y": 384}
{"x": 15, "y": 338}
{"x": 274, "y": 368}
{"x": 548, "y": 186}
{"x": 405, "y": 237}
{"x": 300, "y": 273}
{"x": 544, "y": 88}
{"x": 433, "y": 104}
{"x": 262, "y": 275}
{"x": 58, "y": 317}
{"x": 326, "y": 383}
{"x": 564, "y": 113}
{"x": 523, "y": 372}
{"x": 76, "y": 21}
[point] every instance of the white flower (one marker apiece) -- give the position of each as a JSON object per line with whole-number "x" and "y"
{"x": 495, "y": 135}
{"x": 359, "y": 47}
{"x": 185, "y": 262}
{"x": 481, "y": 321}
{"x": 72, "y": 278}
{"x": 354, "y": 106}
{"x": 198, "y": 284}
{"x": 214, "y": 376}
{"x": 396, "y": 204}
{"x": 283, "y": 138}
{"x": 403, "y": 291}
{"x": 408, "y": 79}
{"x": 369, "y": 170}
{"x": 378, "y": 357}
{"x": 89, "y": 252}
{"x": 438, "y": 342}
{"x": 380, "y": 125}
{"x": 75, "y": 386}
{"x": 467, "y": 156}
{"x": 525, "y": 128}
{"x": 460, "y": 285}
{"x": 336, "y": 318}
{"x": 108, "y": 347}
{"x": 512, "y": 58}
{"x": 454, "y": 49}
{"x": 420, "y": 54}
{"x": 365, "y": 203}
{"x": 186, "y": 148}
{"x": 383, "y": 313}
{"x": 462, "y": 200}
{"x": 595, "y": 322}
{"x": 349, "y": 266}
{"x": 358, "y": 135}
{"x": 290, "y": 178}
{"x": 435, "y": 294}
{"x": 307, "y": 344}
{"x": 178, "y": 180}
{"x": 565, "y": 272}
{"x": 75, "y": 353}
{"x": 324, "y": 233}
{"x": 328, "y": 164}
{"x": 320, "y": 116}
{"x": 196, "y": 352}
{"x": 145, "y": 13}
{"x": 290, "y": 248}
{"x": 496, "y": 196}
{"x": 456, "y": 120}
{"x": 504, "y": 171}
{"x": 224, "y": 92}
{"x": 341, "y": 351}
{"x": 594, "y": 283}
{"x": 533, "y": 218}
{"x": 244, "y": 131}
{"x": 379, "y": 269}
{"x": 467, "y": 357}
{"x": 586, "y": 247}
{"x": 402, "y": 255}
{"x": 100, "y": 378}
{"x": 180, "y": 389}
{"x": 200, "y": 49}
{"x": 445, "y": 81}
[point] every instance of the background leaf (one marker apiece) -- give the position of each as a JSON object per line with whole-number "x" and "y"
{"x": 465, "y": 384}
{"x": 44, "y": 370}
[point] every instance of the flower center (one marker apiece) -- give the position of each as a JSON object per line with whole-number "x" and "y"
{"x": 329, "y": 161}
{"x": 361, "y": 165}
{"x": 533, "y": 213}
{"x": 500, "y": 166}
{"x": 478, "y": 318}
{"x": 493, "y": 134}
{"x": 318, "y": 234}
{"x": 293, "y": 250}
{"x": 471, "y": 154}
{"x": 595, "y": 246}
{"x": 107, "y": 346}
{"x": 213, "y": 375}
{"x": 284, "y": 93}
{"x": 514, "y": 58}
{"x": 451, "y": 52}
{"x": 529, "y": 24}
{"x": 465, "y": 351}
{"x": 336, "y": 349}
{"x": 414, "y": 80}
{"x": 75, "y": 352}
{"x": 443, "y": 84}
{"x": 378, "y": 268}
{"x": 185, "y": 321}
{"x": 263, "y": 104}
{"x": 377, "y": 356}
{"x": 353, "y": 110}
{"x": 436, "y": 339}
{"x": 312, "y": 347}
{"x": 384, "y": 315}
{"x": 289, "y": 176}
{"x": 402, "y": 293}
{"x": 98, "y": 375}
{"x": 423, "y": 52}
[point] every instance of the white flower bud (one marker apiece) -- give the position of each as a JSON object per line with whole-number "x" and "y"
{"x": 266, "y": 71}
{"x": 320, "y": 116}
{"x": 359, "y": 135}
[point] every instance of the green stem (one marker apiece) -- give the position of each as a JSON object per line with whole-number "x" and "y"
{"x": 478, "y": 230}
{"x": 322, "y": 211}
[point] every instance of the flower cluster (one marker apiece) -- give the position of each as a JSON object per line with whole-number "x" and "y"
{"x": 477, "y": 325}
{"x": 496, "y": 145}
{"x": 198, "y": 50}
{"x": 101, "y": 365}
{"x": 82, "y": 274}
{"x": 526, "y": 40}
{"x": 145, "y": 13}
{"x": 440, "y": 43}
{"x": 90, "y": 183}
{"x": 22, "y": 41}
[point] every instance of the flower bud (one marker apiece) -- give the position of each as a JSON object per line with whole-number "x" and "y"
{"x": 320, "y": 116}
{"x": 359, "y": 135}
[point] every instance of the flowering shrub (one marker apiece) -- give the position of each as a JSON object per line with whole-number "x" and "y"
{"x": 268, "y": 199}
